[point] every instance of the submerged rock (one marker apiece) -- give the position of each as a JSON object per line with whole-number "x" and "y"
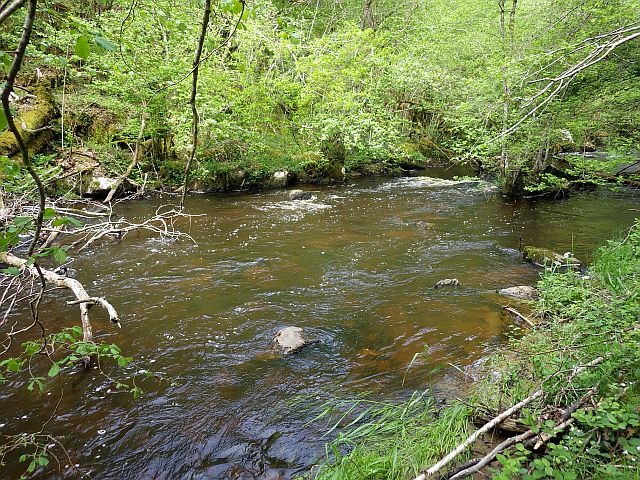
{"x": 543, "y": 257}
{"x": 447, "y": 282}
{"x": 290, "y": 340}
{"x": 299, "y": 195}
{"x": 523, "y": 292}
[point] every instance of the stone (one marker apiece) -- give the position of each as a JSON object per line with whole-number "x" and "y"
{"x": 447, "y": 282}
{"x": 523, "y": 292}
{"x": 99, "y": 186}
{"x": 299, "y": 195}
{"x": 279, "y": 179}
{"x": 290, "y": 340}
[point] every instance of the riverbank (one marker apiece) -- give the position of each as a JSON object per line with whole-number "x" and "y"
{"x": 581, "y": 366}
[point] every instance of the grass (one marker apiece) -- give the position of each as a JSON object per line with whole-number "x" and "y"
{"x": 582, "y": 318}
{"x": 387, "y": 441}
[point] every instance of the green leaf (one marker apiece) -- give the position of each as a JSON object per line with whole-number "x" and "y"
{"x": 31, "y": 348}
{"x": 122, "y": 362}
{"x": 59, "y": 255}
{"x": 73, "y": 222}
{"x": 48, "y": 213}
{"x": 14, "y": 271}
{"x": 13, "y": 365}
{"x": 5, "y": 61}
{"x": 22, "y": 221}
{"x": 3, "y": 120}
{"x": 105, "y": 44}
{"x": 82, "y": 47}
{"x": 36, "y": 381}
{"x": 54, "y": 370}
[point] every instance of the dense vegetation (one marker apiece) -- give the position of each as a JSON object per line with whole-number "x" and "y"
{"x": 317, "y": 90}
{"x": 585, "y": 346}
{"x": 310, "y": 87}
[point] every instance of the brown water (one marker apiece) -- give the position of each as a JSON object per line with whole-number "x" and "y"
{"x": 355, "y": 267}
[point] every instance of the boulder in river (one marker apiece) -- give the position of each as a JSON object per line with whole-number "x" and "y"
{"x": 543, "y": 257}
{"x": 523, "y": 292}
{"x": 299, "y": 195}
{"x": 99, "y": 186}
{"x": 447, "y": 282}
{"x": 279, "y": 179}
{"x": 290, "y": 340}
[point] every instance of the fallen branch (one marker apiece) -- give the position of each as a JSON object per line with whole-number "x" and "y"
{"x": 518, "y": 314}
{"x": 83, "y": 299}
{"x": 499, "y": 418}
{"x": 534, "y": 441}
{"x": 475, "y": 435}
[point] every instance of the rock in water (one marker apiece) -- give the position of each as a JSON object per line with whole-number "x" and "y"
{"x": 99, "y": 186}
{"x": 279, "y": 179}
{"x": 447, "y": 282}
{"x": 299, "y": 195}
{"x": 523, "y": 291}
{"x": 289, "y": 340}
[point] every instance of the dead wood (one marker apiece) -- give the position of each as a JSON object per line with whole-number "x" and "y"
{"x": 83, "y": 299}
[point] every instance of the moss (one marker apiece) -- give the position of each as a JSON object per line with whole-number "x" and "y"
{"x": 544, "y": 257}
{"x": 32, "y": 117}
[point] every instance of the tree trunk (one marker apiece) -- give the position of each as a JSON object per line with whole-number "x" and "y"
{"x": 367, "y": 20}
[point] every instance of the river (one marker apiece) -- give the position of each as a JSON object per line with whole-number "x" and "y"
{"x": 355, "y": 267}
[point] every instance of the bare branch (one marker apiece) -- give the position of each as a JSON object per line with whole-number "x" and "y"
{"x": 7, "y": 10}
{"x": 84, "y": 300}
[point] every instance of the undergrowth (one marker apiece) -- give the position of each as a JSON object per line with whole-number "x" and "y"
{"x": 591, "y": 319}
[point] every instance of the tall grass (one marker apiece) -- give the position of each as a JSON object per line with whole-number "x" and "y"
{"x": 393, "y": 441}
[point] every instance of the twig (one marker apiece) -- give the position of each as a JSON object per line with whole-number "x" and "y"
{"x": 518, "y": 314}
{"x": 475, "y": 435}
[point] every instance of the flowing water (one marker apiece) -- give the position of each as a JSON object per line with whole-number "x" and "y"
{"x": 355, "y": 267}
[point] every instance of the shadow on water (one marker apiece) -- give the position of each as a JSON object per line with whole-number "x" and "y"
{"x": 355, "y": 267}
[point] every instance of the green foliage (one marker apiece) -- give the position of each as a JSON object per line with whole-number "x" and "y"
{"x": 64, "y": 349}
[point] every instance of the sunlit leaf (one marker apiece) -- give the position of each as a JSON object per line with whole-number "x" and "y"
{"x": 49, "y": 213}
{"x": 82, "y": 47}
{"x": 15, "y": 271}
{"x": 58, "y": 254}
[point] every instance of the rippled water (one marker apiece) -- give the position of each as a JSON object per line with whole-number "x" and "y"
{"x": 355, "y": 267}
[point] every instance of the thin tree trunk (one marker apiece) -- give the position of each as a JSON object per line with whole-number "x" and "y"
{"x": 192, "y": 100}
{"x": 6, "y": 92}
{"x": 367, "y": 20}
{"x": 504, "y": 161}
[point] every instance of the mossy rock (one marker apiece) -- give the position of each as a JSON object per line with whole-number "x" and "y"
{"x": 546, "y": 258}
{"x": 33, "y": 114}
{"x": 321, "y": 172}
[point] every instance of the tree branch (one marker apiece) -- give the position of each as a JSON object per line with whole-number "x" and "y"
{"x": 83, "y": 299}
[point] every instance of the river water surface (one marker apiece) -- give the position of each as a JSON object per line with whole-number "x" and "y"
{"x": 355, "y": 267}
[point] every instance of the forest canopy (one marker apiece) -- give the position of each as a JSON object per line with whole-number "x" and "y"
{"x": 374, "y": 86}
